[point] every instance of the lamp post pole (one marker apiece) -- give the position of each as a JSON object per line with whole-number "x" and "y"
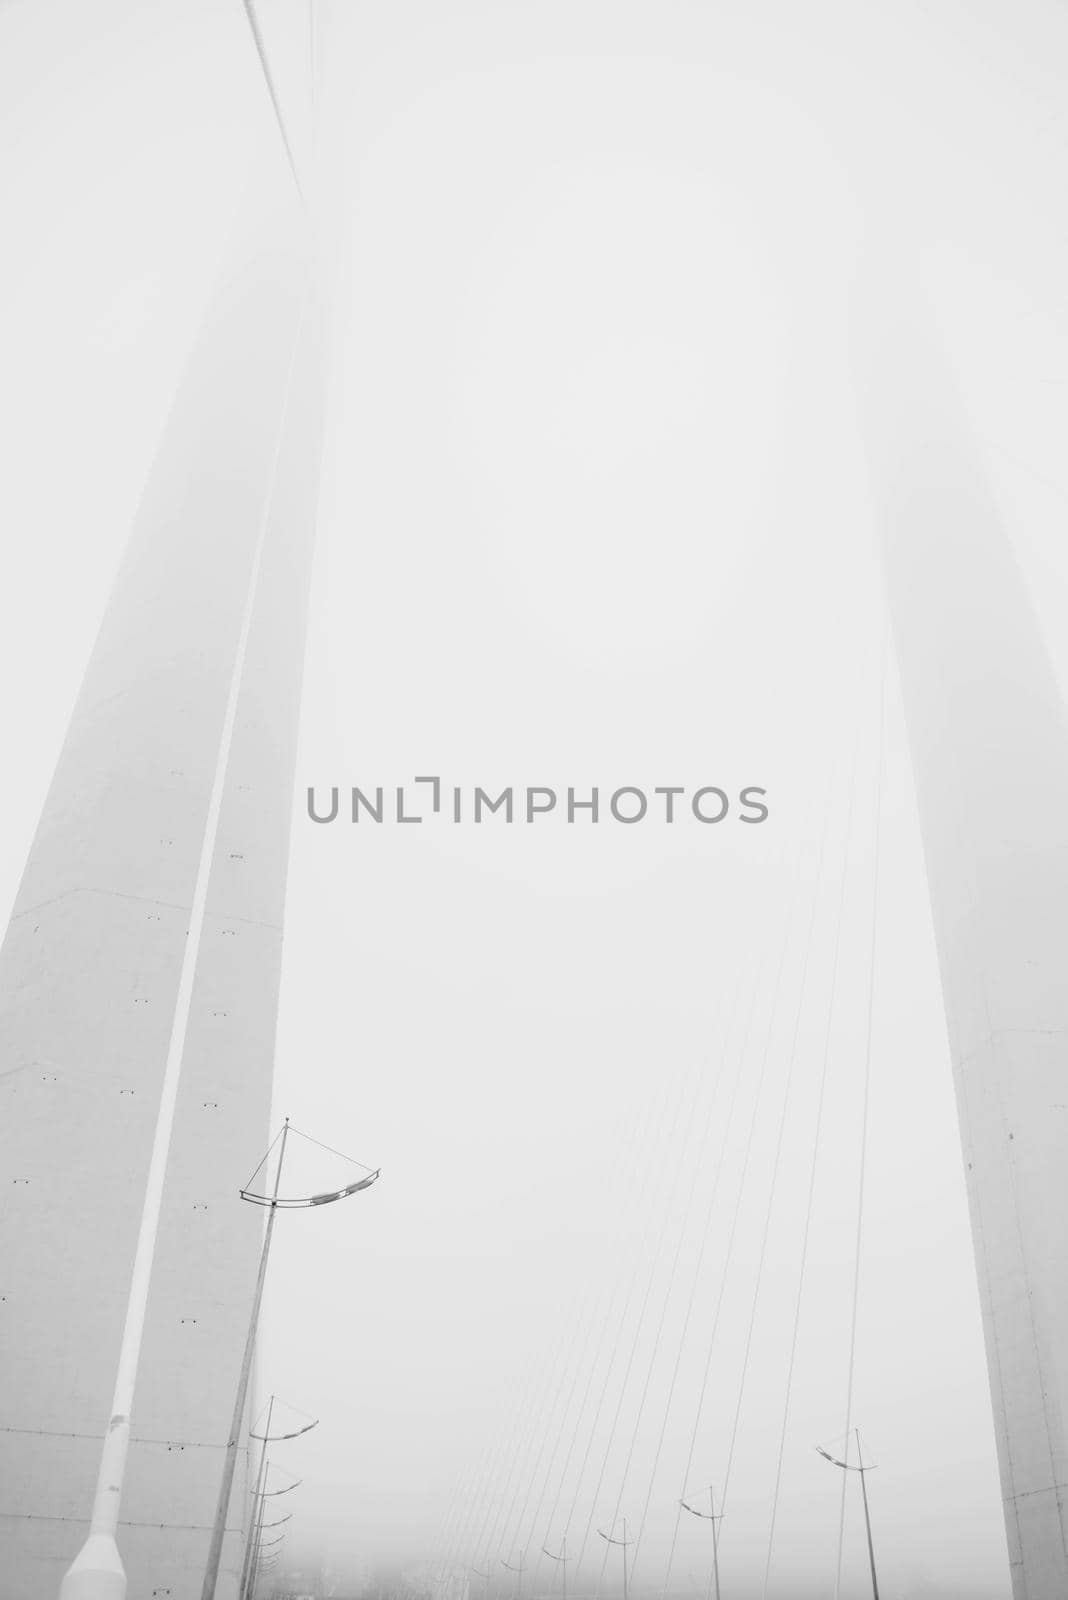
{"x": 245, "y": 1584}
{"x": 252, "y": 1572}
{"x": 712, "y": 1516}
{"x": 563, "y": 1559}
{"x": 274, "y": 1202}
{"x": 715, "y": 1540}
{"x": 218, "y": 1532}
{"x": 847, "y": 1466}
{"x": 518, "y": 1570}
{"x": 248, "y": 1582}
{"x": 257, "y": 1502}
{"x": 259, "y": 1492}
{"x": 863, "y": 1470}
{"x": 623, "y": 1543}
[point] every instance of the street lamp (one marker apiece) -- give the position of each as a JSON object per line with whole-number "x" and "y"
{"x": 847, "y": 1466}
{"x": 623, "y": 1543}
{"x": 485, "y": 1576}
{"x": 563, "y": 1558}
{"x": 519, "y": 1570}
{"x": 265, "y": 1567}
{"x": 713, "y": 1517}
{"x": 267, "y": 1437}
{"x": 253, "y": 1548}
{"x": 275, "y": 1202}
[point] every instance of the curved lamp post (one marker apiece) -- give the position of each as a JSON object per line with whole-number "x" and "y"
{"x": 563, "y": 1558}
{"x": 519, "y": 1571}
{"x": 264, "y": 1568}
{"x": 623, "y": 1543}
{"x": 847, "y": 1466}
{"x": 275, "y": 1201}
{"x": 267, "y": 1437}
{"x": 254, "y": 1545}
{"x": 485, "y": 1576}
{"x": 712, "y": 1516}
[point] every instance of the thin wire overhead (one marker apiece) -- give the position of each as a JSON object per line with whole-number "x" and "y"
{"x": 253, "y": 22}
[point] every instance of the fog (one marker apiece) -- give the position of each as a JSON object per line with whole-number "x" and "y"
{"x": 594, "y": 514}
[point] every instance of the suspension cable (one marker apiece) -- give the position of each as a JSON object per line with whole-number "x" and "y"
{"x": 876, "y": 848}
{"x": 732, "y": 1234}
{"x": 817, "y": 1139}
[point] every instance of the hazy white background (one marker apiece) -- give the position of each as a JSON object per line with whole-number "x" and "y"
{"x": 594, "y": 512}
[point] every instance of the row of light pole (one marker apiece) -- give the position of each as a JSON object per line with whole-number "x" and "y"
{"x": 863, "y": 1470}
{"x": 255, "y": 1544}
{"x": 275, "y": 1201}
{"x": 254, "y": 1565}
{"x": 98, "y": 1571}
{"x": 711, "y": 1516}
{"x": 562, "y": 1558}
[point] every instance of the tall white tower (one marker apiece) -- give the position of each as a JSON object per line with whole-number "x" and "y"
{"x": 989, "y": 740}
{"x": 89, "y": 968}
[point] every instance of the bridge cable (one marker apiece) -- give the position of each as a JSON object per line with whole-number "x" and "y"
{"x": 491, "y": 1479}
{"x": 668, "y": 1292}
{"x": 708, "y": 1217}
{"x": 620, "y": 1326}
{"x": 742, "y": 1053}
{"x": 876, "y": 848}
{"x": 621, "y": 1175}
{"x": 731, "y": 1237}
{"x": 705, "y": 1233}
{"x": 638, "y": 1327}
{"x": 779, "y": 1142}
{"x": 817, "y": 1139}
{"x": 268, "y": 78}
{"x": 622, "y": 1168}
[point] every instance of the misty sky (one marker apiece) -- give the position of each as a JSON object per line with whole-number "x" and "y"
{"x": 594, "y": 512}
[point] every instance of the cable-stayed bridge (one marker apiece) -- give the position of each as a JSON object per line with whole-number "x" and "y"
{"x": 139, "y": 979}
